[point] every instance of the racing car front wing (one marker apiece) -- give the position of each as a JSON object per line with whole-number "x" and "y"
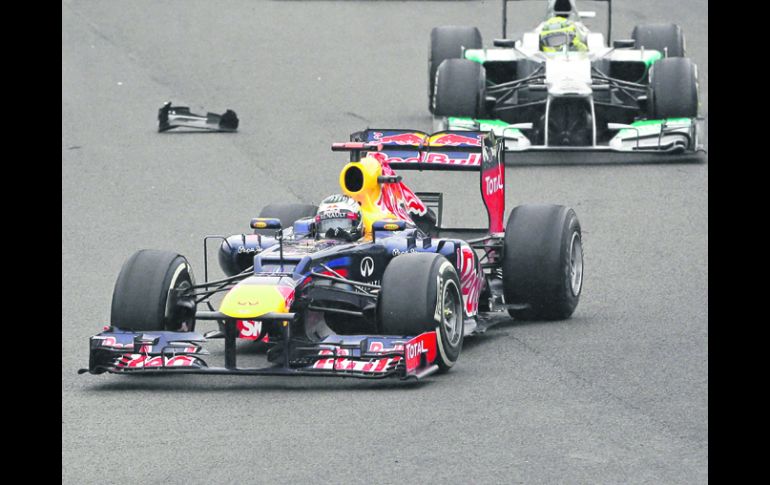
{"x": 367, "y": 357}
{"x": 674, "y": 140}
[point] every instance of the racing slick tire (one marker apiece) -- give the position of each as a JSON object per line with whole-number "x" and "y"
{"x": 542, "y": 262}
{"x": 448, "y": 42}
{"x": 460, "y": 88}
{"x": 421, "y": 292}
{"x": 287, "y": 213}
{"x": 673, "y": 89}
{"x": 668, "y": 39}
{"x": 142, "y": 299}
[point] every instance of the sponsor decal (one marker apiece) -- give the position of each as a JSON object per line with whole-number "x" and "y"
{"x": 288, "y": 293}
{"x": 139, "y": 361}
{"x": 493, "y": 184}
{"x": 249, "y": 329}
{"x": 378, "y": 346}
{"x": 244, "y": 249}
{"x": 260, "y": 225}
{"x": 180, "y": 361}
{"x": 415, "y": 349}
{"x": 397, "y": 198}
{"x": 454, "y": 139}
{"x": 439, "y": 301}
{"x": 112, "y": 342}
{"x": 333, "y": 214}
{"x": 248, "y": 303}
{"x": 345, "y": 364}
{"x": 471, "y": 278}
{"x": 471, "y": 159}
{"x": 399, "y": 138}
{"x": 390, "y": 227}
{"x": 397, "y": 252}
{"x": 493, "y": 192}
{"x": 367, "y": 267}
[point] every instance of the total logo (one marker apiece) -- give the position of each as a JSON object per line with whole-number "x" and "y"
{"x": 367, "y": 267}
{"x": 414, "y": 350}
{"x": 493, "y": 184}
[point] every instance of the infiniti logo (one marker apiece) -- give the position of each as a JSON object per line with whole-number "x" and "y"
{"x": 367, "y": 267}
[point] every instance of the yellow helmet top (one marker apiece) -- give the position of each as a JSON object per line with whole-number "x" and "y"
{"x": 558, "y": 32}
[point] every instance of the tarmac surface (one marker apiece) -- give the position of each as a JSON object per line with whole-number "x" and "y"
{"x": 616, "y": 394}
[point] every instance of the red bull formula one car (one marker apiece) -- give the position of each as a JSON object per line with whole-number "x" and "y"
{"x": 396, "y": 296}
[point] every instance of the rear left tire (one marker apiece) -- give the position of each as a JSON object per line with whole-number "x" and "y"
{"x": 668, "y": 39}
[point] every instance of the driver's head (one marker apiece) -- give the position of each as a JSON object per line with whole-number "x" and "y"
{"x": 558, "y": 32}
{"x": 339, "y": 217}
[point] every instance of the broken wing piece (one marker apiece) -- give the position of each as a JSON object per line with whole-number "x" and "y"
{"x": 170, "y": 117}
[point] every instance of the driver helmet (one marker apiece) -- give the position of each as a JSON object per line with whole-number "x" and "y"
{"x": 339, "y": 217}
{"x": 558, "y": 31}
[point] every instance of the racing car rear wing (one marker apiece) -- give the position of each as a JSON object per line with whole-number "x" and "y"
{"x": 475, "y": 151}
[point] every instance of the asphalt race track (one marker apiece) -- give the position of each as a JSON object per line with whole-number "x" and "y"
{"x": 617, "y": 394}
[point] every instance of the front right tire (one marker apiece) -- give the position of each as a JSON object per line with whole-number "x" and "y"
{"x": 143, "y": 299}
{"x": 448, "y": 42}
{"x": 460, "y": 89}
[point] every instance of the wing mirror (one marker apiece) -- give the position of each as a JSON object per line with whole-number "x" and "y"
{"x": 623, "y": 43}
{"x": 390, "y": 225}
{"x": 504, "y": 43}
{"x": 265, "y": 223}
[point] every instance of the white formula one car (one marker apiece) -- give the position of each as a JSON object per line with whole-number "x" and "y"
{"x": 561, "y": 94}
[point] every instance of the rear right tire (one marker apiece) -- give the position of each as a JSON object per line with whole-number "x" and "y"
{"x": 542, "y": 262}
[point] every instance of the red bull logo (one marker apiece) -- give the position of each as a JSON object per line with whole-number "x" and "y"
{"x": 473, "y": 159}
{"x": 455, "y": 140}
{"x": 399, "y": 139}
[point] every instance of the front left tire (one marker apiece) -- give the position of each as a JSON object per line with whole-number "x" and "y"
{"x": 673, "y": 89}
{"x": 448, "y": 42}
{"x": 460, "y": 89}
{"x": 421, "y": 292}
